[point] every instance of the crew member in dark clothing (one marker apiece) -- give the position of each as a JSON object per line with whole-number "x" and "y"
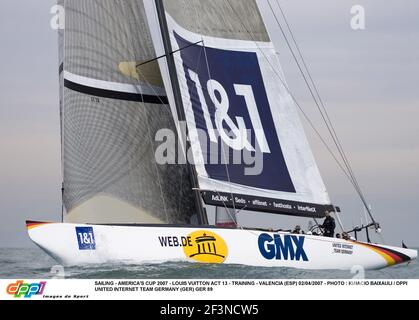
{"x": 298, "y": 230}
{"x": 329, "y": 226}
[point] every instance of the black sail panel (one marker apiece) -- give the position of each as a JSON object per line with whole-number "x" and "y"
{"x": 112, "y": 110}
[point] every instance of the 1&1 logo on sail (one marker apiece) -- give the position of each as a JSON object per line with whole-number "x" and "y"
{"x": 286, "y": 247}
{"x": 230, "y": 104}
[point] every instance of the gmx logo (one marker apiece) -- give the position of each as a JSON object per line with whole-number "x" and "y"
{"x": 21, "y": 289}
{"x": 288, "y": 247}
{"x": 230, "y": 104}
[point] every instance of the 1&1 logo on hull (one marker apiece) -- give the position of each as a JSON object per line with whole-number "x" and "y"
{"x": 206, "y": 247}
{"x": 287, "y": 247}
{"x": 20, "y": 289}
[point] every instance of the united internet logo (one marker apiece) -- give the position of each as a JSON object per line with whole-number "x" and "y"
{"x": 206, "y": 247}
{"x": 20, "y": 289}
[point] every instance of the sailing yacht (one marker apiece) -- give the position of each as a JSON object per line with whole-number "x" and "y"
{"x": 134, "y": 71}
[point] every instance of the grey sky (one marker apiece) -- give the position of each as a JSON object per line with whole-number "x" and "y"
{"x": 368, "y": 80}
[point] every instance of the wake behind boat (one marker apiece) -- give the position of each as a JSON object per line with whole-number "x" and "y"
{"x": 176, "y": 124}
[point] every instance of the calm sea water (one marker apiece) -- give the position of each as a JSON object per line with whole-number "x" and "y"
{"x": 35, "y": 264}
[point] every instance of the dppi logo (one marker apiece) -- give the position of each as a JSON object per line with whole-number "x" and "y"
{"x": 20, "y": 289}
{"x": 287, "y": 248}
{"x": 206, "y": 247}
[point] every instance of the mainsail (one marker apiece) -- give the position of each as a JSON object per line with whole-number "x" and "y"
{"x": 112, "y": 107}
{"x": 249, "y": 147}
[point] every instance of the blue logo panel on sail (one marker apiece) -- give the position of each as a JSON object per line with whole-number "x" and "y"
{"x": 231, "y": 106}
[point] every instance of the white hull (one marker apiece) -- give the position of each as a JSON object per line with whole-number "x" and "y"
{"x": 74, "y": 244}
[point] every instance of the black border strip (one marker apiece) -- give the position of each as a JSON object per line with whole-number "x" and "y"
{"x": 125, "y": 96}
{"x": 261, "y": 204}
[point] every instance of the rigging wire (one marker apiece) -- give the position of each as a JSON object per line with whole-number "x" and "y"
{"x": 233, "y": 218}
{"x": 305, "y": 79}
{"x": 177, "y": 95}
{"x": 313, "y": 88}
{"x": 223, "y": 149}
{"x": 131, "y": 49}
{"x": 165, "y": 55}
{"x": 62, "y": 122}
{"x": 310, "y": 122}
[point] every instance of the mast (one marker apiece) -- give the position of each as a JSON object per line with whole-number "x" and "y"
{"x": 202, "y": 217}
{"x": 61, "y": 57}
